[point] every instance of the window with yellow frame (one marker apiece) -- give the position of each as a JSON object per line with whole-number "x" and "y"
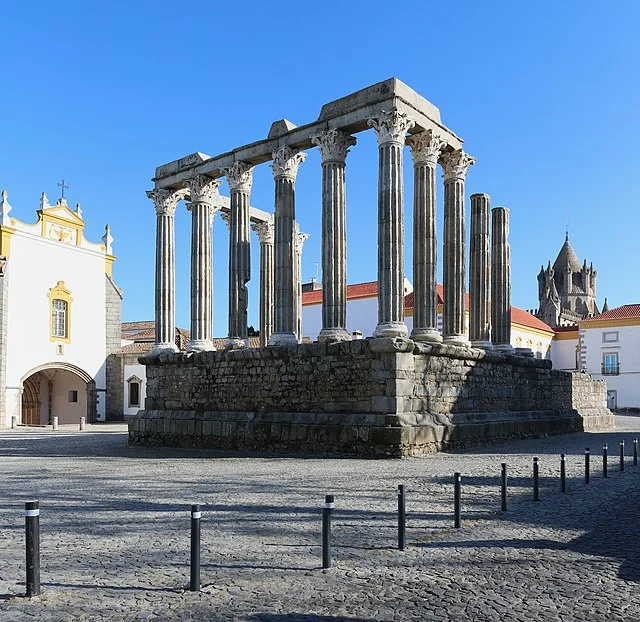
{"x": 60, "y": 313}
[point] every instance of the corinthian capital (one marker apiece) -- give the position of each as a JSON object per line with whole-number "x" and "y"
{"x": 203, "y": 189}
{"x": 391, "y": 126}
{"x": 299, "y": 239}
{"x": 426, "y": 147}
{"x": 286, "y": 162}
{"x": 165, "y": 201}
{"x": 455, "y": 164}
{"x": 334, "y": 145}
{"x": 240, "y": 176}
{"x": 265, "y": 231}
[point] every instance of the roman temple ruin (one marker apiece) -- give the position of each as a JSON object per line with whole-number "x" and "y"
{"x": 394, "y": 394}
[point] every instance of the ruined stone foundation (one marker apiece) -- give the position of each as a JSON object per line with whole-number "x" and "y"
{"x": 375, "y": 397}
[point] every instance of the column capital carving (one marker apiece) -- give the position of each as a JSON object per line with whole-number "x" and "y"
{"x": 286, "y": 162}
{"x": 334, "y": 145}
{"x": 203, "y": 189}
{"x": 300, "y": 239}
{"x": 265, "y": 231}
{"x": 165, "y": 201}
{"x": 391, "y": 126}
{"x": 240, "y": 176}
{"x": 426, "y": 147}
{"x": 455, "y": 164}
{"x": 226, "y": 217}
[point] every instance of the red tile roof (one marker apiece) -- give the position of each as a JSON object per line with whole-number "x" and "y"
{"x": 370, "y": 290}
{"x": 625, "y": 312}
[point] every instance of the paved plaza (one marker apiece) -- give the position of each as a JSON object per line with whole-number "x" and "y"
{"x": 115, "y": 533}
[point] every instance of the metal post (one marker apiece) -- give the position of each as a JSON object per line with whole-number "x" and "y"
{"x": 604, "y": 461}
{"x": 536, "y": 482}
{"x": 32, "y": 537}
{"x": 586, "y": 465}
{"x": 402, "y": 516}
{"x": 622, "y": 455}
{"x": 14, "y": 422}
{"x": 196, "y": 514}
{"x": 326, "y": 531}
{"x": 503, "y": 486}
{"x": 563, "y": 474}
{"x": 456, "y": 500}
{"x": 635, "y": 452}
{"x": 54, "y": 423}
{"x": 82, "y": 423}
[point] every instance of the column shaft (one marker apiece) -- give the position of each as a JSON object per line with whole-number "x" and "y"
{"x": 425, "y": 147}
{"x": 334, "y": 146}
{"x": 201, "y": 277}
{"x": 391, "y": 129}
{"x": 265, "y": 235}
{"x": 455, "y": 165}
{"x": 500, "y": 280}
{"x": 479, "y": 268}
{"x": 239, "y": 268}
{"x": 285, "y": 166}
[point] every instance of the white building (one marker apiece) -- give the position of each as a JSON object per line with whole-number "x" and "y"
{"x": 59, "y": 319}
{"x": 527, "y": 331}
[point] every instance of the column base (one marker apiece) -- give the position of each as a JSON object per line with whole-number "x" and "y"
{"x": 456, "y": 340}
{"x": 482, "y": 345}
{"x": 163, "y": 348}
{"x": 283, "y": 339}
{"x": 507, "y": 348}
{"x": 391, "y": 329}
{"x": 200, "y": 345}
{"x": 431, "y": 335}
{"x": 333, "y": 334}
{"x": 235, "y": 343}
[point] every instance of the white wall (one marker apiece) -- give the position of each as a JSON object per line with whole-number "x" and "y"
{"x": 35, "y": 265}
{"x": 627, "y": 383}
{"x": 563, "y": 353}
{"x": 129, "y": 371}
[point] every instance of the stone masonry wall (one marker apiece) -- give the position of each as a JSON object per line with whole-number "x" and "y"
{"x": 114, "y": 381}
{"x": 380, "y": 396}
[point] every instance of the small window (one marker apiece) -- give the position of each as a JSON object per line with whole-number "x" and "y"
{"x": 610, "y": 364}
{"x": 134, "y": 393}
{"x": 59, "y": 318}
{"x": 610, "y": 337}
{"x": 73, "y": 396}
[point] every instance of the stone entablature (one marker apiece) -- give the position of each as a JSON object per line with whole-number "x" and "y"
{"x": 373, "y": 397}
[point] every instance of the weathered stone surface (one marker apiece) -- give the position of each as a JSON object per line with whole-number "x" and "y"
{"x": 360, "y": 398}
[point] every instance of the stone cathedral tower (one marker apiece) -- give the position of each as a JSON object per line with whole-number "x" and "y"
{"x": 566, "y": 290}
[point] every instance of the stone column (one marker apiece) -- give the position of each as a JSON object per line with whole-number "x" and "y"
{"x": 426, "y": 147}
{"x": 500, "y": 280}
{"x": 299, "y": 243}
{"x": 455, "y": 165}
{"x": 240, "y": 177}
{"x": 265, "y": 231}
{"x": 203, "y": 190}
{"x": 479, "y": 320}
{"x": 285, "y": 169}
{"x": 391, "y": 128}
{"x": 165, "y": 202}
{"x": 334, "y": 146}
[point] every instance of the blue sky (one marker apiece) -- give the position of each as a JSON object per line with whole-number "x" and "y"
{"x": 545, "y": 95}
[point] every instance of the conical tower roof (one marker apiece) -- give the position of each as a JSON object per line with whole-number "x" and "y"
{"x": 567, "y": 256}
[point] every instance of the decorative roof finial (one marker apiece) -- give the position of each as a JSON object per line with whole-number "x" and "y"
{"x": 44, "y": 202}
{"x": 566, "y": 237}
{"x": 5, "y": 208}
{"x": 78, "y": 210}
{"x": 107, "y": 239}
{"x": 605, "y": 306}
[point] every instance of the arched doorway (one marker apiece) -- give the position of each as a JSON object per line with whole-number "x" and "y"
{"x": 58, "y": 390}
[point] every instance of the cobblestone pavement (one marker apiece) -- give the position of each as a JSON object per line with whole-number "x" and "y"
{"x": 115, "y": 533}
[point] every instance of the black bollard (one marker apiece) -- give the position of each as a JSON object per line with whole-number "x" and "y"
{"x": 587, "y": 455}
{"x": 196, "y": 514}
{"x": 536, "y": 480}
{"x": 622, "y": 455}
{"x": 604, "y": 461}
{"x": 503, "y": 486}
{"x": 635, "y": 452}
{"x": 456, "y": 500}
{"x": 402, "y": 518}
{"x": 563, "y": 474}
{"x": 32, "y": 537}
{"x": 326, "y": 531}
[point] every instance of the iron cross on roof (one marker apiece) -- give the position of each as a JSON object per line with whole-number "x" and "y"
{"x": 62, "y": 185}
